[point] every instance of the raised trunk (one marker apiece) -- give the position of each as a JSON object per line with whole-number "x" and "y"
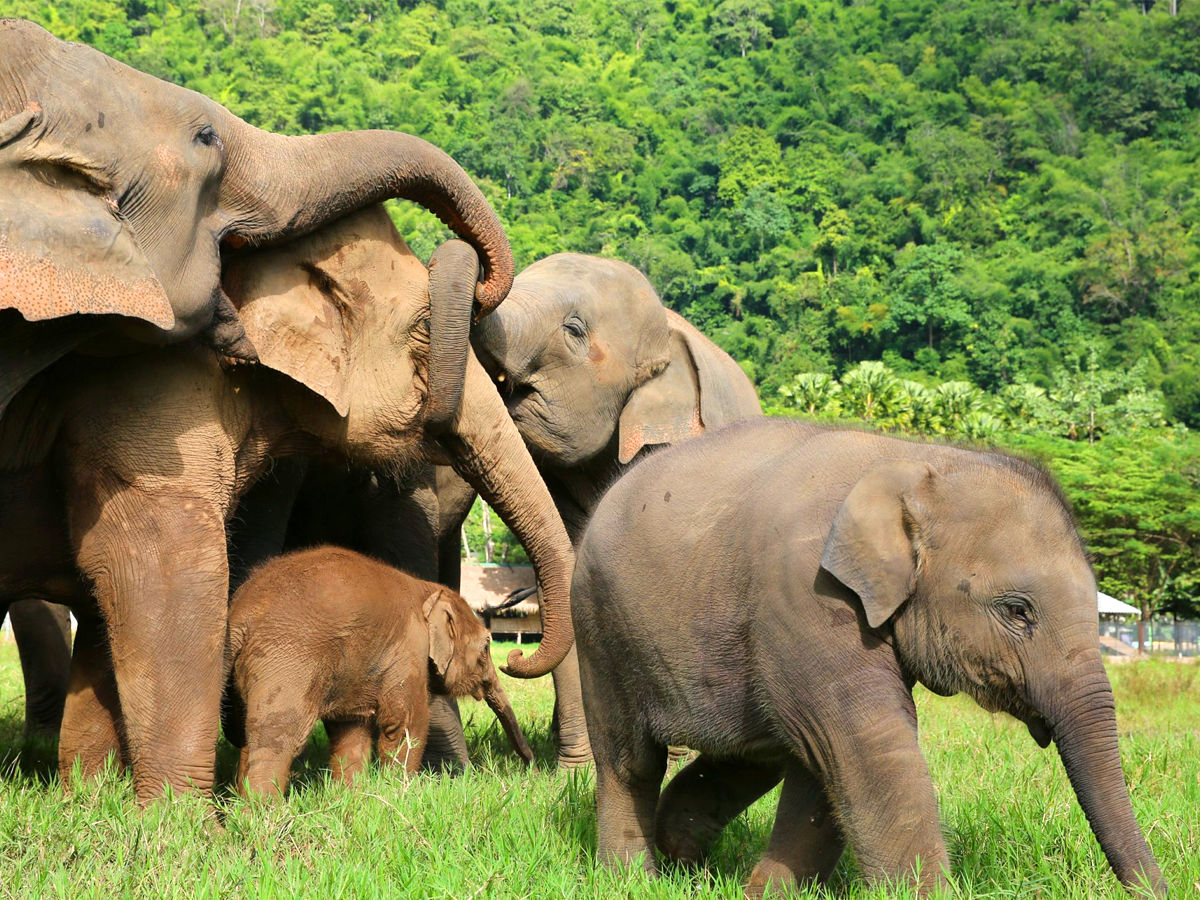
{"x": 488, "y": 452}
{"x": 453, "y": 271}
{"x": 281, "y": 187}
{"x": 1085, "y": 731}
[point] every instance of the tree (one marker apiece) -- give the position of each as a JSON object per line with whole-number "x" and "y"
{"x": 871, "y": 392}
{"x": 741, "y": 23}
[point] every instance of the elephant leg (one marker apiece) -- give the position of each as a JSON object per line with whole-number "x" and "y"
{"x": 574, "y": 749}
{"x": 273, "y": 742}
{"x": 445, "y": 747}
{"x": 805, "y": 843}
{"x": 91, "y": 724}
{"x": 158, "y": 568}
{"x": 629, "y": 774}
{"x": 349, "y": 748}
{"x": 879, "y": 785}
{"x": 43, "y": 634}
{"x": 257, "y": 530}
{"x": 403, "y": 728}
{"x": 702, "y": 799}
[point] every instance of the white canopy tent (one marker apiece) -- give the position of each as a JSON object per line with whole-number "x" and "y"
{"x": 1111, "y": 606}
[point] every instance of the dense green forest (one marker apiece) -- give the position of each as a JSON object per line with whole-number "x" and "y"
{"x": 973, "y": 218}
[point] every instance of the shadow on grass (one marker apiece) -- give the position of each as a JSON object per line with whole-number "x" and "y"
{"x": 32, "y": 756}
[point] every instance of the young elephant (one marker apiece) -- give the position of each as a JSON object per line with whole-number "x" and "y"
{"x": 814, "y": 575}
{"x": 333, "y": 635}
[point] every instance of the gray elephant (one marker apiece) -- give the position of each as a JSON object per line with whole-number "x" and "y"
{"x": 596, "y": 373}
{"x": 42, "y": 632}
{"x": 119, "y": 192}
{"x": 136, "y": 463}
{"x": 780, "y": 588}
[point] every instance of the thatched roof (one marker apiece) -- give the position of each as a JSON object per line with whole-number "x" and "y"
{"x": 488, "y": 585}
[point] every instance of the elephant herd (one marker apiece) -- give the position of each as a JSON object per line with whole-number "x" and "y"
{"x": 216, "y": 350}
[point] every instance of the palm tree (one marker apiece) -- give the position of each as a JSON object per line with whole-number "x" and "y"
{"x": 871, "y": 392}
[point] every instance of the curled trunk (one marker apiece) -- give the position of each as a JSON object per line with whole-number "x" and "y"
{"x": 1085, "y": 731}
{"x": 283, "y": 187}
{"x": 453, "y": 270}
{"x": 488, "y": 452}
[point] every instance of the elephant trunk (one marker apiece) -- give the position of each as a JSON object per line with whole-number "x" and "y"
{"x": 486, "y": 450}
{"x": 497, "y": 701}
{"x": 1083, "y": 722}
{"x": 283, "y": 186}
{"x": 453, "y": 270}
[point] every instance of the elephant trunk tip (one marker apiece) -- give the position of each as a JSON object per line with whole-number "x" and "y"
{"x": 489, "y": 294}
{"x": 540, "y": 663}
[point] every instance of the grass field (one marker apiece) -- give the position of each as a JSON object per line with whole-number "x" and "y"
{"x": 1011, "y": 820}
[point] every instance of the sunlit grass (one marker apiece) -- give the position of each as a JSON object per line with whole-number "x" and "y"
{"x": 1012, "y": 824}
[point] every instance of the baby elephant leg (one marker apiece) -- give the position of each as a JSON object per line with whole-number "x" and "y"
{"x": 403, "y": 722}
{"x": 273, "y": 741}
{"x": 349, "y": 748}
{"x": 805, "y": 842}
{"x": 702, "y": 799}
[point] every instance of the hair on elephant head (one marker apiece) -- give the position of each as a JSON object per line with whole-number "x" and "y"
{"x": 118, "y": 191}
{"x": 588, "y": 359}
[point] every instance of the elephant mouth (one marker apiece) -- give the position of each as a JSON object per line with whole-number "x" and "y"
{"x": 1039, "y": 730}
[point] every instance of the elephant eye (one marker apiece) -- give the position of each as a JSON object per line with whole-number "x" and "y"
{"x": 208, "y": 137}
{"x": 1018, "y": 612}
{"x": 574, "y": 327}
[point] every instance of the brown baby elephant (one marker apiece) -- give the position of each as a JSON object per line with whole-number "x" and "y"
{"x": 330, "y": 634}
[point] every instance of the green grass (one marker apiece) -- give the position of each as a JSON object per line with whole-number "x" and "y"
{"x": 1011, "y": 820}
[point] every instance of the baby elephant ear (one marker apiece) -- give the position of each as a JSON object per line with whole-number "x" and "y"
{"x": 870, "y": 548}
{"x": 439, "y": 615}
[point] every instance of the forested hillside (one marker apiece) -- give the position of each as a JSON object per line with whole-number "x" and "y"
{"x": 991, "y": 202}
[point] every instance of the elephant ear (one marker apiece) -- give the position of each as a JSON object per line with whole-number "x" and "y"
{"x": 64, "y": 250}
{"x": 871, "y": 548}
{"x": 293, "y": 315}
{"x": 702, "y": 387}
{"x": 443, "y": 630}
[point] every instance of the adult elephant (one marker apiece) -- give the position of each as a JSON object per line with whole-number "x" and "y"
{"x": 118, "y": 192}
{"x": 143, "y": 457}
{"x": 596, "y": 373}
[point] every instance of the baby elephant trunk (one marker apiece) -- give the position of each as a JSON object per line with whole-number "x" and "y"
{"x": 497, "y": 700}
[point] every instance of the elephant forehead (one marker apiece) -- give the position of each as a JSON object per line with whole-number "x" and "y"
{"x": 364, "y": 241}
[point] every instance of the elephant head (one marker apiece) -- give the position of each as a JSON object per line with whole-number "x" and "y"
{"x": 586, "y": 355}
{"x": 118, "y": 191}
{"x": 461, "y": 663}
{"x": 346, "y": 312}
{"x": 986, "y": 587}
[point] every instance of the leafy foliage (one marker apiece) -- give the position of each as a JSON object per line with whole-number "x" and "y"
{"x": 974, "y": 219}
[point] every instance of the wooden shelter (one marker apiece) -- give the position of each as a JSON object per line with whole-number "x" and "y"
{"x": 487, "y": 586}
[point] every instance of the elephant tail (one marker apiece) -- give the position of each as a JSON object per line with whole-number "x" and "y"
{"x": 233, "y": 705}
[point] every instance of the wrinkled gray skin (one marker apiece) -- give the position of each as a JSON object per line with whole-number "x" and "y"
{"x": 597, "y": 373}
{"x": 42, "y": 632}
{"x": 306, "y": 503}
{"x": 780, "y": 589}
{"x": 118, "y": 192}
